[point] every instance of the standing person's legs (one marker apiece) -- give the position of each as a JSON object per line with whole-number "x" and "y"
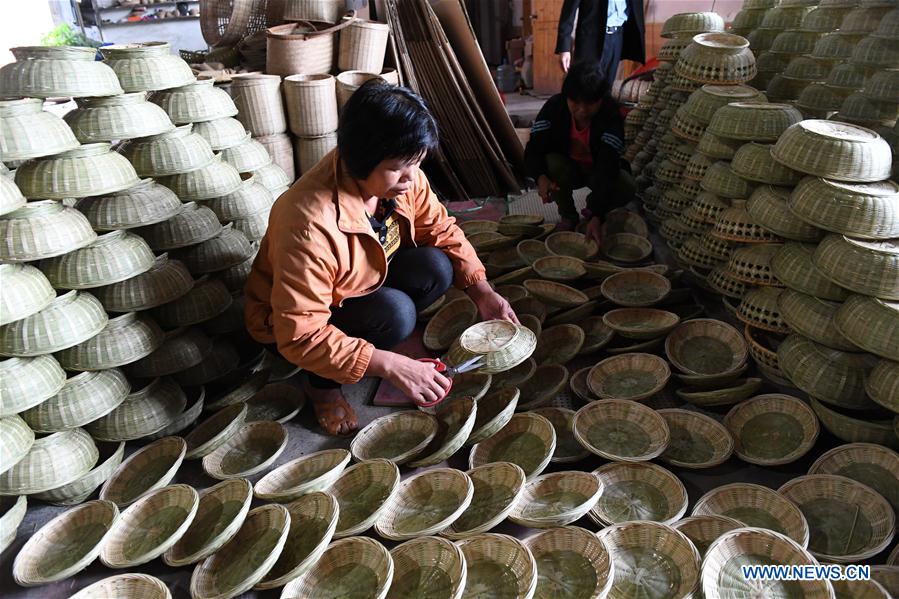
{"x": 566, "y": 174}
{"x": 611, "y": 54}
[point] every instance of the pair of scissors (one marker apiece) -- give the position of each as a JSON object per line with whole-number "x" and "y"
{"x": 449, "y": 372}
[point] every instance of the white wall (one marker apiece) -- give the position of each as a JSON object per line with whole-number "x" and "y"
{"x": 24, "y": 22}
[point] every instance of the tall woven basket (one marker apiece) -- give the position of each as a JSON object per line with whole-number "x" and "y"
{"x": 309, "y": 150}
{"x": 362, "y": 47}
{"x": 301, "y": 48}
{"x": 280, "y": 148}
{"x": 259, "y": 102}
{"x": 311, "y": 104}
{"x": 325, "y": 11}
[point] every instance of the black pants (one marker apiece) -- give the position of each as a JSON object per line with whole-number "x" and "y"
{"x": 415, "y": 279}
{"x": 611, "y": 54}
{"x": 569, "y": 175}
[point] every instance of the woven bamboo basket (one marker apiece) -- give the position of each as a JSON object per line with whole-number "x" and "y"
{"x": 12, "y": 511}
{"x": 195, "y": 102}
{"x": 629, "y": 541}
{"x": 210, "y": 434}
{"x": 636, "y": 288}
{"x": 753, "y": 121}
{"x": 883, "y": 86}
{"x": 710, "y": 392}
{"x": 455, "y": 421}
{"x": 169, "y": 153}
{"x": 556, "y": 499}
{"x": 571, "y": 559}
{"x": 280, "y": 148}
{"x": 672, "y": 48}
{"x": 882, "y": 384}
{"x": 633, "y": 376}
{"x": 836, "y": 507}
{"x": 557, "y": 268}
{"x": 428, "y": 565}
{"x": 273, "y": 178}
{"x": 760, "y": 41}
{"x": 306, "y": 48}
{"x": 43, "y": 229}
{"x": 147, "y": 66}
{"x": 640, "y": 323}
{"x": 220, "y": 361}
{"x": 597, "y": 334}
{"x": 221, "y": 133}
{"x": 791, "y": 426}
{"x": 195, "y": 399}
{"x": 224, "y": 250}
{"x": 311, "y": 104}
{"x": 555, "y": 294}
{"x": 572, "y": 244}
{"x": 425, "y": 504}
{"x": 145, "y": 411}
{"x": 57, "y": 551}
{"x": 755, "y": 506}
{"x": 207, "y": 299}
{"x": 309, "y": 151}
{"x": 488, "y": 553}
{"x": 84, "y": 398}
{"x": 50, "y": 462}
{"x": 836, "y": 46}
{"x": 866, "y": 463}
{"x": 685, "y": 128}
{"x": 864, "y": 19}
{"x": 542, "y": 386}
{"x": 88, "y": 170}
{"x": 253, "y": 226}
{"x": 834, "y": 150}
{"x": 711, "y": 147}
{"x": 559, "y": 344}
{"x": 737, "y": 225}
{"x": 568, "y": 449}
{"x": 502, "y": 261}
{"x": 754, "y": 162}
{"x": 362, "y": 46}
{"x": 357, "y": 563}
{"x": 824, "y": 19}
{"x": 249, "y": 451}
{"x": 621, "y": 430}
{"x": 705, "y": 530}
{"x": 259, "y": 103}
{"x": 45, "y": 72}
{"x": 860, "y": 109}
{"x": 721, "y": 58}
{"x": 696, "y": 440}
{"x": 470, "y": 384}
{"x": 181, "y": 349}
{"x": 626, "y": 247}
{"x": 26, "y": 291}
{"x": 308, "y": 474}
{"x": 217, "y": 178}
{"x": 692, "y": 253}
{"x": 111, "y": 258}
{"x": 29, "y": 132}
{"x": 126, "y": 586}
{"x": 820, "y": 99}
{"x": 363, "y": 491}
{"x": 688, "y": 24}
{"x": 512, "y": 292}
{"x": 117, "y": 117}
{"x": 870, "y": 324}
{"x": 398, "y": 437}
{"x": 498, "y": 487}
{"x": 17, "y": 441}
{"x": 246, "y": 156}
{"x": 768, "y": 206}
{"x": 68, "y": 320}
{"x": 815, "y": 319}
{"x": 531, "y": 437}
{"x": 795, "y": 42}
{"x": 503, "y": 346}
{"x": 149, "y": 469}
{"x": 720, "y": 573}
{"x": 164, "y": 282}
{"x": 495, "y": 410}
{"x": 866, "y": 267}
{"x": 36, "y": 380}
{"x": 702, "y": 104}
{"x": 638, "y": 491}
{"x": 794, "y": 267}
{"x": 348, "y": 82}
{"x": 143, "y": 204}
{"x": 325, "y": 11}
{"x": 752, "y": 264}
{"x": 720, "y": 180}
{"x": 514, "y": 377}
{"x": 221, "y": 512}
{"x": 852, "y": 429}
{"x": 10, "y": 197}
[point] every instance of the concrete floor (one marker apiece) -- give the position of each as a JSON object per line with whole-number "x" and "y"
{"x": 304, "y": 438}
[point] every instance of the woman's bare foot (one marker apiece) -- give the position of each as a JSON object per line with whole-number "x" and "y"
{"x": 333, "y": 412}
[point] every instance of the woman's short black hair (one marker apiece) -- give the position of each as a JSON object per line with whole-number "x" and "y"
{"x": 585, "y": 82}
{"x": 382, "y": 121}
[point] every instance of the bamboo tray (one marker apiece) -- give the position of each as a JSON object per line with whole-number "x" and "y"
{"x": 571, "y": 561}
{"x": 772, "y": 429}
{"x": 696, "y": 440}
{"x": 487, "y": 554}
{"x": 398, "y": 437}
{"x": 873, "y": 465}
{"x": 307, "y": 474}
{"x": 148, "y": 469}
{"x": 528, "y": 440}
{"x": 568, "y": 449}
{"x": 425, "y": 504}
{"x": 705, "y": 530}
{"x": 125, "y": 586}
{"x": 638, "y": 491}
{"x": 363, "y": 491}
{"x": 252, "y": 449}
{"x": 621, "y": 430}
{"x": 349, "y": 566}
{"x": 556, "y": 499}
{"x": 498, "y": 487}
{"x": 455, "y": 421}
{"x": 426, "y": 567}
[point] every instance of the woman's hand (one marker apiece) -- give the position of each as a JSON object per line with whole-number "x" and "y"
{"x": 545, "y": 187}
{"x": 594, "y": 230}
{"x": 419, "y": 381}
{"x": 491, "y": 305}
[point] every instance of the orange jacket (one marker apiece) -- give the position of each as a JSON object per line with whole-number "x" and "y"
{"x": 320, "y": 250}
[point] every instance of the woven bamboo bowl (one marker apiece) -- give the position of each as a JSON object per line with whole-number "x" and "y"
{"x": 143, "y": 204}
{"x": 723, "y": 283}
{"x": 502, "y": 345}
{"x": 147, "y": 66}
{"x": 221, "y": 133}
{"x": 636, "y": 288}
{"x": 640, "y": 323}
{"x": 512, "y": 292}
{"x": 865, "y": 211}
{"x": 250, "y": 198}
{"x": 753, "y": 121}
{"x": 633, "y": 542}
{"x": 111, "y": 258}
{"x": 756, "y": 506}
{"x": 571, "y": 560}
{"x": 246, "y": 156}
{"x": 671, "y": 49}
{"x": 429, "y": 565}
{"x": 37, "y": 380}
{"x": 16, "y": 442}
{"x": 559, "y": 268}
{"x": 228, "y": 248}
{"x": 455, "y": 422}
{"x": 547, "y": 382}
{"x": 514, "y": 377}
{"x": 556, "y": 499}
{"x": 815, "y": 319}
{"x": 360, "y": 563}
{"x": 528, "y": 440}
{"x": 753, "y": 161}
{"x": 705, "y": 530}
{"x": 178, "y": 150}
{"x": 216, "y": 178}
{"x": 125, "y": 586}
{"x": 568, "y": 449}
{"x": 83, "y": 398}
{"x": 559, "y": 344}
{"x": 188, "y": 417}
{"x": 855, "y": 429}
{"x": 759, "y": 308}
{"x": 720, "y": 573}
{"x": 307, "y": 474}
{"x": 688, "y": 24}
{"x": 425, "y": 504}
{"x": 313, "y": 519}
{"x": 181, "y": 349}
{"x": 876, "y": 52}
{"x": 252, "y": 449}
{"x": 398, "y": 437}
{"x": 473, "y": 227}
{"x": 820, "y": 99}
{"x": 195, "y": 102}
{"x": 65, "y": 545}
{"x": 720, "y": 180}
{"x": 470, "y": 384}
{"x": 597, "y": 334}
{"x": 752, "y": 264}
{"x": 250, "y": 553}
{"x": 12, "y": 511}
{"x": 42, "y": 230}
{"x": 530, "y": 250}
{"x": 125, "y": 339}
{"x": 772, "y": 429}
{"x": 768, "y": 206}
{"x": 273, "y": 178}
{"x": 866, "y": 267}
{"x": 193, "y": 224}
{"x": 555, "y": 294}
{"x": 49, "y": 462}
{"x": 149, "y": 527}
{"x": 717, "y": 58}
{"x": 715, "y": 393}
{"x": 143, "y": 412}
{"x": 882, "y": 384}
{"x": 207, "y": 299}
{"x": 486, "y": 554}
{"x": 837, "y": 509}
{"x": 219, "y": 362}
{"x": 626, "y": 247}
{"x": 866, "y": 463}
{"x": 696, "y": 440}
{"x": 449, "y": 323}
{"x": 363, "y": 491}
{"x": 572, "y": 244}
{"x": 494, "y": 412}
{"x": 516, "y": 277}
{"x": 10, "y": 196}
{"x": 870, "y": 589}
{"x": 44, "y": 72}
{"x": 633, "y": 376}
{"x": 29, "y": 132}
{"x": 111, "y": 118}
{"x": 621, "y": 430}
{"x": 88, "y": 170}
{"x": 497, "y": 489}
{"x": 150, "y": 468}
{"x": 638, "y": 491}
{"x": 278, "y": 402}
{"x": 793, "y": 265}
{"x": 78, "y": 491}
{"x": 702, "y": 104}
{"x": 578, "y": 385}
{"x": 711, "y": 148}
{"x": 621, "y": 220}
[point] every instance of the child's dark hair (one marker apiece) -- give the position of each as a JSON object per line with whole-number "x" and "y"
{"x": 585, "y": 82}
{"x": 382, "y": 121}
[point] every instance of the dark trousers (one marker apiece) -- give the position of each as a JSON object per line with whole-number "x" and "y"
{"x": 611, "y": 54}
{"x": 416, "y": 277}
{"x": 569, "y": 175}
